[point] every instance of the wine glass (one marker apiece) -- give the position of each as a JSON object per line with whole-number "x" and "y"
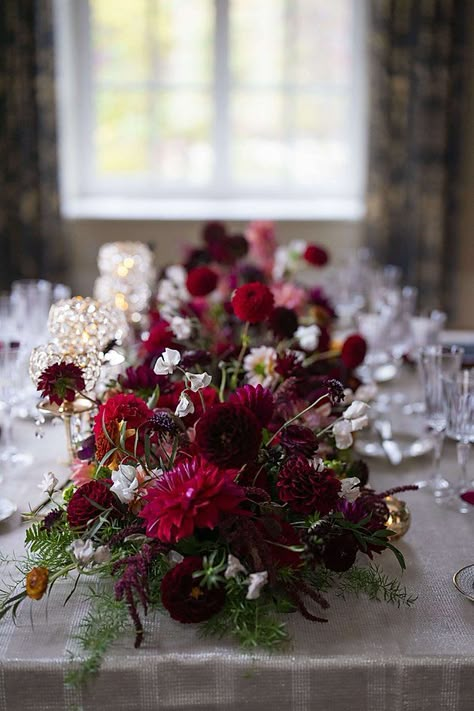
{"x": 12, "y": 359}
{"x": 436, "y": 362}
{"x": 459, "y": 393}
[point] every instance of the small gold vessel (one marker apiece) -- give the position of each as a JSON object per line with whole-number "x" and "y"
{"x": 399, "y": 519}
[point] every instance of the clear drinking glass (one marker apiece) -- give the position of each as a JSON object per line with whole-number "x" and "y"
{"x": 459, "y": 394}
{"x": 435, "y": 363}
{"x": 12, "y": 373}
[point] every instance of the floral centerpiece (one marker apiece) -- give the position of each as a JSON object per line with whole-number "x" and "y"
{"x": 218, "y": 483}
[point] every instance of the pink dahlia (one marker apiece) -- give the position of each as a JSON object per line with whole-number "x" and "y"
{"x": 195, "y": 494}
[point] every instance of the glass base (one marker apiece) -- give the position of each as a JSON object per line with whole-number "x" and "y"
{"x": 11, "y": 455}
{"x": 7, "y": 509}
{"x": 438, "y": 488}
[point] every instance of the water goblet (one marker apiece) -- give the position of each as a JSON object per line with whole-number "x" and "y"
{"x": 459, "y": 393}
{"x": 12, "y": 357}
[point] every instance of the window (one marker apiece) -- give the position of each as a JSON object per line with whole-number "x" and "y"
{"x": 219, "y": 103}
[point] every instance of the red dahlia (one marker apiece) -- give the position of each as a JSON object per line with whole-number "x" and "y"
{"x": 201, "y": 281}
{"x": 159, "y": 338}
{"x": 307, "y": 490}
{"x": 257, "y": 399}
{"x": 229, "y": 435}
{"x": 88, "y": 502}
{"x": 353, "y": 351}
{"x": 283, "y": 322}
{"x": 195, "y": 494}
{"x": 127, "y": 408}
{"x": 253, "y": 302}
{"x": 184, "y": 598}
{"x": 298, "y": 439}
{"x": 61, "y": 381}
{"x": 317, "y": 256}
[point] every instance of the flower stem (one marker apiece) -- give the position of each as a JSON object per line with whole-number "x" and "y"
{"x": 320, "y": 356}
{"x": 245, "y": 344}
{"x": 296, "y": 417}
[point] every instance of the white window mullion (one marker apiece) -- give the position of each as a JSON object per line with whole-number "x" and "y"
{"x": 221, "y": 96}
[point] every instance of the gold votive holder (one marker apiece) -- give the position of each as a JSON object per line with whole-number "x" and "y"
{"x": 399, "y": 519}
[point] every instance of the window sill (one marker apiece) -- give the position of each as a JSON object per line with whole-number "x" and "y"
{"x": 324, "y": 210}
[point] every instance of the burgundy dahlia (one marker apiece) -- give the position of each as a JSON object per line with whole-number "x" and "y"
{"x": 141, "y": 379}
{"x": 61, "y": 381}
{"x": 253, "y": 302}
{"x": 353, "y": 351}
{"x": 201, "y": 281}
{"x": 185, "y": 599}
{"x": 307, "y": 490}
{"x": 195, "y": 494}
{"x": 317, "y": 256}
{"x": 229, "y": 435}
{"x": 283, "y": 322}
{"x": 340, "y": 552}
{"x": 257, "y": 399}
{"x": 88, "y": 502}
{"x": 298, "y": 439}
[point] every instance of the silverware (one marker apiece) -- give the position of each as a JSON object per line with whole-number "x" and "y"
{"x": 391, "y": 448}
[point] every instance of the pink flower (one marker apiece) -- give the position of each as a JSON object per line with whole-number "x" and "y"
{"x": 261, "y": 237}
{"x": 289, "y": 295}
{"x": 82, "y": 472}
{"x": 195, "y": 494}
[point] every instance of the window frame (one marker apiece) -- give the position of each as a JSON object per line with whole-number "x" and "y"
{"x": 83, "y": 197}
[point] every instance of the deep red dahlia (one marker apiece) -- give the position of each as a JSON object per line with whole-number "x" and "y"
{"x": 142, "y": 379}
{"x": 229, "y": 435}
{"x": 195, "y": 494}
{"x": 122, "y": 407}
{"x": 253, "y": 302}
{"x": 283, "y": 322}
{"x": 214, "y": 232}
{"x": 298, "y": 439}
{"x": 353, "y": 351}
{"x": 184, "y": 598}
{"x": 317, "y": 256}
{"x": 201, "y": 281}
{"x": 307, "y": 490}
{"x": 160, "y": 337}
{"x": 257, "y": 399}
{"x": 280, "y": 535}
{"x": 88, "y": 502}
{"x": 61, "y": 381}
{"x": 210, "y": 397}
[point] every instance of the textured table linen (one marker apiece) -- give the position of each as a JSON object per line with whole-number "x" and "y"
{"x": 369, "y": 657}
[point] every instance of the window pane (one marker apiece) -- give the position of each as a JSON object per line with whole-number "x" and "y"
{"x": 257, "y": 151}
{"x": 119, "y": 49}
{"x": 122, "y": 132}
{"x": 257, "y": 41}
{"x": 184, "y": 37}
{"x": 183, "y": 147}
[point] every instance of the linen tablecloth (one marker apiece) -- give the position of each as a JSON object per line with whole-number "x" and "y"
{"x": 370, "y": 656}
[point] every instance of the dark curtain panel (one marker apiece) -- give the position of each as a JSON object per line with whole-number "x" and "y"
{"x": 31, "y": 243}
{"x": 416, "y": 53}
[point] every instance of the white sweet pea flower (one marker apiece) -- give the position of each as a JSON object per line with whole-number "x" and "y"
{"x": 234, "y": 567}
{"x": 308, "y": 336}
{"x": 48, "y": 483}
{"x": 102, "y": 555}
{"x": 357, "y": 409}
{"x": 280, "y": 263}
{"x": 125, "y": 484}
{"x": 348, "y": 396}
{"x": 177, "y": 273}
{"x": 83, "y": 551}
{"x": 256, "y": 582}
{"x": 167, "y": 362}
{"x": 181, "y": 327}
{"x": 297, "y": 248}
{"x": 350, "y": 490}
{"x": 358, "y": 423}
{"x": 198, "y": 380}
{"x": 318, "y": 464}
{"x": 175, "y": 558}
{"x": 366, "y": 392}
{"x": 185, "y": 405}
{"x": 342, "y": 433}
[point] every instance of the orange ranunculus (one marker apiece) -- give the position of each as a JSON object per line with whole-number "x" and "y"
{"x": 37, "y": 582}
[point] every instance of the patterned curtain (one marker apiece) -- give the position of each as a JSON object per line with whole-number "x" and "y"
{"x": 31, "y": 242}
{"x": 416, "y": 53}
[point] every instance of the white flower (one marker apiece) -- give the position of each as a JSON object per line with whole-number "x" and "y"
{"x": 350, "y": 490}
{"x": 259, "y": 365}
{"x": 357, "y": 409}
{"x": 280, "y": 263}
{"x": 297, "y": 248}
{"x": 318, "y": 464}
{"x": 256, "y": 582}
{"x": 234, "y": 566}
{"x": 342, "y": 433}
{"x": 181, "y": 327}
{"x": 102, "y": 555}
{"x": 348, "y": 396}
{"x": 358, "y": 423}
{"x": 175, "y": 558}
{"x": 366, "y": 392}
{"x": 177, "y": 274}
{"x": 185, "y": 405}
{"x": 167, "y": 362}
{"x": 198, "y": 380}
{"x": 125, "y": 484}
{"x": 48, "y": 483}
{"x": 308, "y": 336}
{"x": 83, "y": 551}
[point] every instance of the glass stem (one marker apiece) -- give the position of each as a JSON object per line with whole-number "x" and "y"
{"x": 7, "y": 438}
{"x": 463, "y": 449}
{"x": 438, "y": 440}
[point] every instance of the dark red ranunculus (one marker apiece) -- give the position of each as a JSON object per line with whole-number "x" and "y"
{"x": 229, "y": 435}
{"x": 61, "y": 381}
{"x": 253, "y": 302}
{"x": 306, "y": 490}
{"x": 317, "y": 256}
{"x": 298, "y": 439}
{"x": 122, "y": 407}
{"x": 353, "y": 351}
{"x": 283, "y": 322}
{"x": 88, "y": 502}
{"x": 258, "y": 399}
{"x": 185, "y": 599}
{"x": 201, "y": 281}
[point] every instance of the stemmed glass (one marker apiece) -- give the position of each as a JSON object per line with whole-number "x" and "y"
{"x": 12, "y": 357}
{"x": 459, "y": 393}
{"x": 436, "y": 363}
